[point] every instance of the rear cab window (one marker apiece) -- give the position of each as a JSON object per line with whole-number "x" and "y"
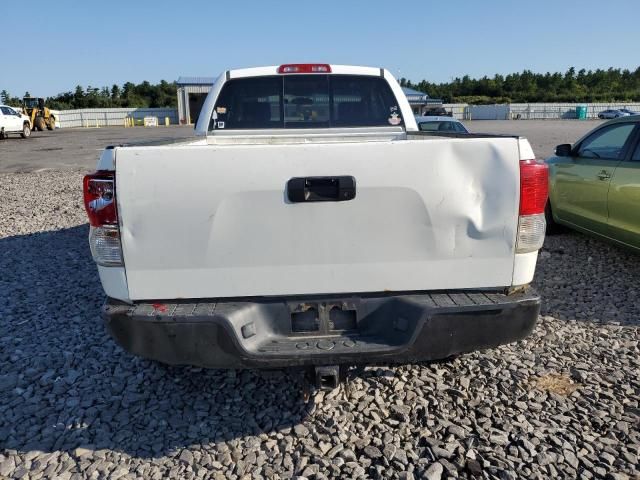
{"x": 305, "y": 101}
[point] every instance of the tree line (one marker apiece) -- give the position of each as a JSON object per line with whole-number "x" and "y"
{"x": 141, "y": 95}
{"x": 612, "y": 85}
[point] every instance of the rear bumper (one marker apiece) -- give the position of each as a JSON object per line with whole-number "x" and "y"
{"x": 348, "y": 329}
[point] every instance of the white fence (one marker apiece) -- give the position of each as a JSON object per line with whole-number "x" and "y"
{"x": 103, "y": 117}
{"x": 457, "y": 109}
{"x": 541, "y": 111}
{"x": 531, "y": 111}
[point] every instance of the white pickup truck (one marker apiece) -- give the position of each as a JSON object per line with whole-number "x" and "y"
{"x": 13, "y": 121}
{"x": 310, "y": 223}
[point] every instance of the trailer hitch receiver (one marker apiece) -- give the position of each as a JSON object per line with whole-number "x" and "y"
{"x": 327, "y": 377}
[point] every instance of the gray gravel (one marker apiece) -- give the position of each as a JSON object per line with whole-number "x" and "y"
{"x": 562, "y": 404}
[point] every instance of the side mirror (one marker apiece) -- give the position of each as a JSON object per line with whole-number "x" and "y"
{"x": 563, "y": 150}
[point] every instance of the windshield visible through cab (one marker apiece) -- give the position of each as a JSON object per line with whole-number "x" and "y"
{"x": 305, "y": 101}
{"x": 30, "y": 102}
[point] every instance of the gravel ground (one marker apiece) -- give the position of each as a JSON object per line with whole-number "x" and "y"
{"x": 562, "y": 404}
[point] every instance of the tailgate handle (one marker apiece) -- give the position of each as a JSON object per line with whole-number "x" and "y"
{"x": 321, "y": 189}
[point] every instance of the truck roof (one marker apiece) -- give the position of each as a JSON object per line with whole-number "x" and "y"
{"x": 335, "y": 69}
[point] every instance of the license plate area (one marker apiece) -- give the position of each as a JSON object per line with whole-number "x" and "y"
{"x": 323, "y": 318}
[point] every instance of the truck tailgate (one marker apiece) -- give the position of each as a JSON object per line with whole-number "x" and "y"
{"x": 215, "y": 221}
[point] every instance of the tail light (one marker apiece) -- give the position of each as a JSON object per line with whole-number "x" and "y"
{"x": 534, "y": 190}
{"x": 100, "y": 199}
{"x": 304, "y": 68}
{"x": 100, "y": 203}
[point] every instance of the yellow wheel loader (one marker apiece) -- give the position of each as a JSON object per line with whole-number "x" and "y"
{"x": 39, "y": 115}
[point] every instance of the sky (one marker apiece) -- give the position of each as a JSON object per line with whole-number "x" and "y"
{"x": 52, "y": 46}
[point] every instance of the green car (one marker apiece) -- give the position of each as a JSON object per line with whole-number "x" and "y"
{"x": 594, "y": 185}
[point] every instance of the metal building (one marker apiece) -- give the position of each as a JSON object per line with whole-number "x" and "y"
{"x": 420, "y": 101}
{"x": 191, "y": 94}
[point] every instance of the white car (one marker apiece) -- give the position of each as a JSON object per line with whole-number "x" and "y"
{"x": 12, "y": 121}
{"x": 440, "y": 124}
{"x": 310, "y": 223}
{"x": 612, "y": 113}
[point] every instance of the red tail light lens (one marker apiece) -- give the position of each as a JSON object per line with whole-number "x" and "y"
{"x": 305, "y": 68}
{"x": 534, "y": 187}
{"x": 100, "y": 198}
